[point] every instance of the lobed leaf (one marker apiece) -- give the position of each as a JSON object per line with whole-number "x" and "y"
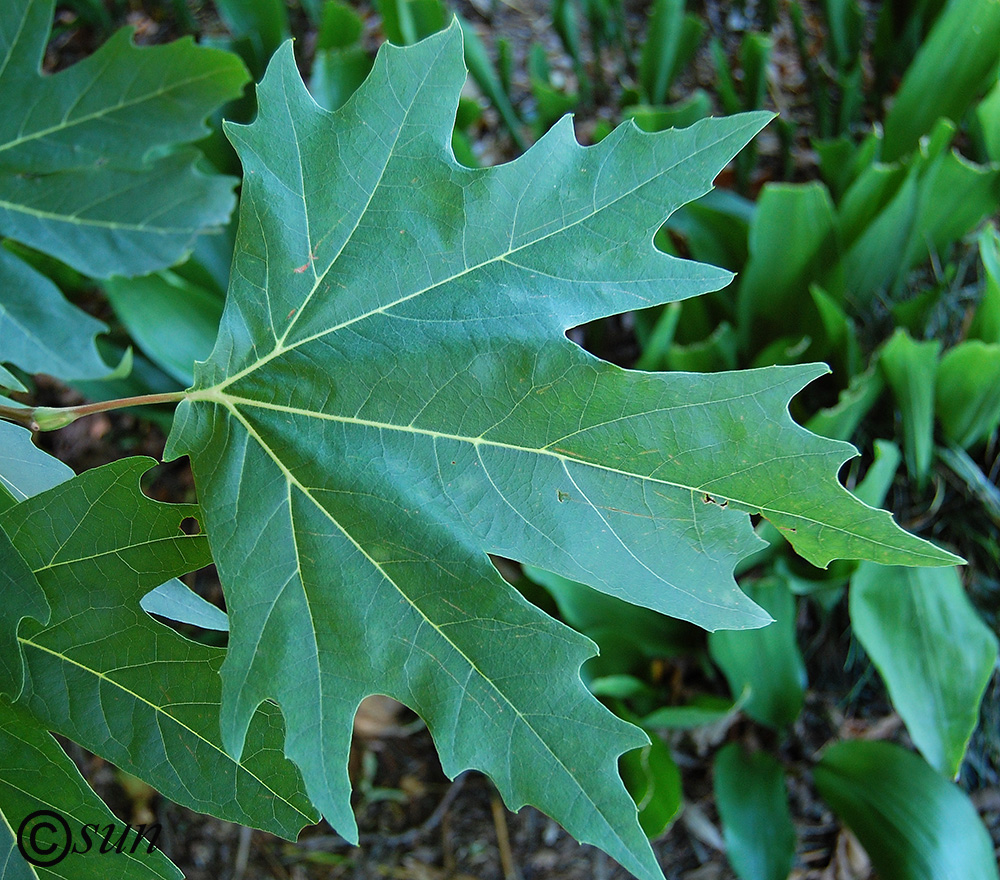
{"x": 40, "y": 330}
{"x": 104, "y": 674}
{"x": 47, "y": 779}
{"x": 89, "y": 170}
{"x": 392, "y": 396}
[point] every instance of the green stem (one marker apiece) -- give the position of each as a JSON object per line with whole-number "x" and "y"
{"x": 51, "y": 418}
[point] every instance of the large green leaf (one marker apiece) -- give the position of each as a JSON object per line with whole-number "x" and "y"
{"x": 912, "y": 823}
{"x": 392, "y": 395}
{"x": 967, "y": 392}
{"x": 93, "y": 171}
{"x": 934, "y": 652}
{"x": 793, "y": 243}
{"x": 36, "y": 775}
{"x": 26, "y": 470}
{"x": 107, "y": 676}
{"x": 173, "y": 320}
{"x": 77, "y": 167}
{"x": 39, "y": 330}
{"x": 767, "y": 661}
{"x": 753, "y": 805}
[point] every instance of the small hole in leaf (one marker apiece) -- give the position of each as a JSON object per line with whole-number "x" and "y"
{"x": 190, "y": 526}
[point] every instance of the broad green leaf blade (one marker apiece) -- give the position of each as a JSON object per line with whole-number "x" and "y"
{"x": 934, "y": 653}
{"x": 913, "y": 824}
{"x": 753, "y": 804}
{"x": 435, "y": 627}
{"x": 766, "y": 662}
{"x": 97, "y": 545}
{"x": 704, "y": 709}
{"x": 392, "y": 396}
{"x": 22, "y": 597}
{"x": 78, "y": 174}
{"x": 26, "y": 470}
{"x": 39, "y": 330}
{"x": 35, "y": 774}
{"x": 793, "y": 242}
{"x": 967, "y": 392}
{"x": 173, "y": 321}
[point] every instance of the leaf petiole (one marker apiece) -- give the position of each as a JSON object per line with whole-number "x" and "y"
{"x": 52, "y": 418}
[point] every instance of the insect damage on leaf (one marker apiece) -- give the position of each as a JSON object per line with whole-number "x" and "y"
{"x": 368, "y": 429}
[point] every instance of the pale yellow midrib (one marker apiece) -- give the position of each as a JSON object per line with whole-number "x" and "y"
{"x": 76, "y": 220}
{"x": 102, "y": 112}
{"x": 215, "y": 395}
